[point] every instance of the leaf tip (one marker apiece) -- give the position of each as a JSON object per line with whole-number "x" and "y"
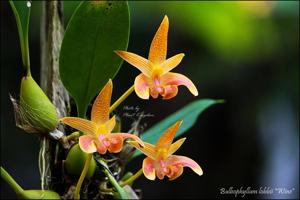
{"x": 220, "y": 101}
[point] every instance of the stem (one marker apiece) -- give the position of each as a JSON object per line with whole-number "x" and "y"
{"x": 82, "y": 176}
{"x": 26, "y": 56}
{"x": 74, "y": 135}
{"x": 116, "y": 185}
{"x": 121, "y": 99}
{"x": 133, "y": 178}
{"x": 10, "y": 181}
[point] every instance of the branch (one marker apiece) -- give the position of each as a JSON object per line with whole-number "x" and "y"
{"x": 52, "y": 31}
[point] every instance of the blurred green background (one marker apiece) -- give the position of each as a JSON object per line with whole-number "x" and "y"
{"x": 243, "y": 52}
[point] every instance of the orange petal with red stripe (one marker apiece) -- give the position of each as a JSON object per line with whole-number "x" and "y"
{"x": 175, "y": 146}
{"x": 148, "y": 149}
{"x": 100, "y": 109}
{"x": 158, "y": 48}
{"x": 172, "y": 62}
{"x": 131, "y": 136}
{"x": 110, "y": 124}
{"x": 167, "y": 137}
{"x": 83, "y": 125}
{"x": 137, "y": 61}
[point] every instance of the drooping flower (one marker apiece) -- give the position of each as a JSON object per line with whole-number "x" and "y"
{"x": 160, "y": 160}
{"x": 98, "y": 136}
{"x": 156, "y": 78}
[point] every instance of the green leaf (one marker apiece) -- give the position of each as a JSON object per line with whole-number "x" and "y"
{"x": 22, "y": 15}
{"x": 87, "y": 58}
{"x": 188, "y": 114}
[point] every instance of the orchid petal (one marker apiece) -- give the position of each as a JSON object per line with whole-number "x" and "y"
{"x": 176, "y": 172}
{"x": 110, "y": 124}
{"x": 141, "y": 86}
{"x": 167, "y": 137}
{"x": 131, "y": 136}
{"x": 115, "y": 143}
{"x": 178, "y": 79}
{"x": 100, "y": 109}
{"x": 83, "y": 125}
{"x": 154, "y": 92}
{"x": 148, "y": 149}
{"x": 87, "y": 144}
{"x": 160, "y": 174}
{"x": 137, "y": 61}
{"x": 185, "y": 162}
{"x": 175, "y": 146}
{"x": 148, "y": 168}
{"x": 172, "y": 62}
{"x": 158, "y": 48}
{"x": 170, "y": 91}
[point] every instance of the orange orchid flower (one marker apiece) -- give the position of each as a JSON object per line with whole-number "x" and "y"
{"x": 160, "y": 160}
{"x": 156, "y": 78}
{"x": 98, "y": 136}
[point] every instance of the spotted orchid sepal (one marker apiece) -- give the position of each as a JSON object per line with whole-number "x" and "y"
{"x": 156, "y": 78}
{"x": 160, "y": 161}
{"x": 97, "y": 131}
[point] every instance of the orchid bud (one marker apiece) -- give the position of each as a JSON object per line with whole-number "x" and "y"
{"x": 36, "y": 110}
{"x": 75, "y": 162}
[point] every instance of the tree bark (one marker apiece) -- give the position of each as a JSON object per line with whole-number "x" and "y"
{"x": 52, "y": 31}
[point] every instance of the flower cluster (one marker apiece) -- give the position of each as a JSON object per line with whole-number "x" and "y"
{"x": 155, "y": 80}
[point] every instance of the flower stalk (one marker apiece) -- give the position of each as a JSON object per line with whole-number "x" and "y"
{"x": 11, "y": 182}
{"x": 121, "y": 99}
{"x": 132, "y": 178}
{"x": 82, "y": 176}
